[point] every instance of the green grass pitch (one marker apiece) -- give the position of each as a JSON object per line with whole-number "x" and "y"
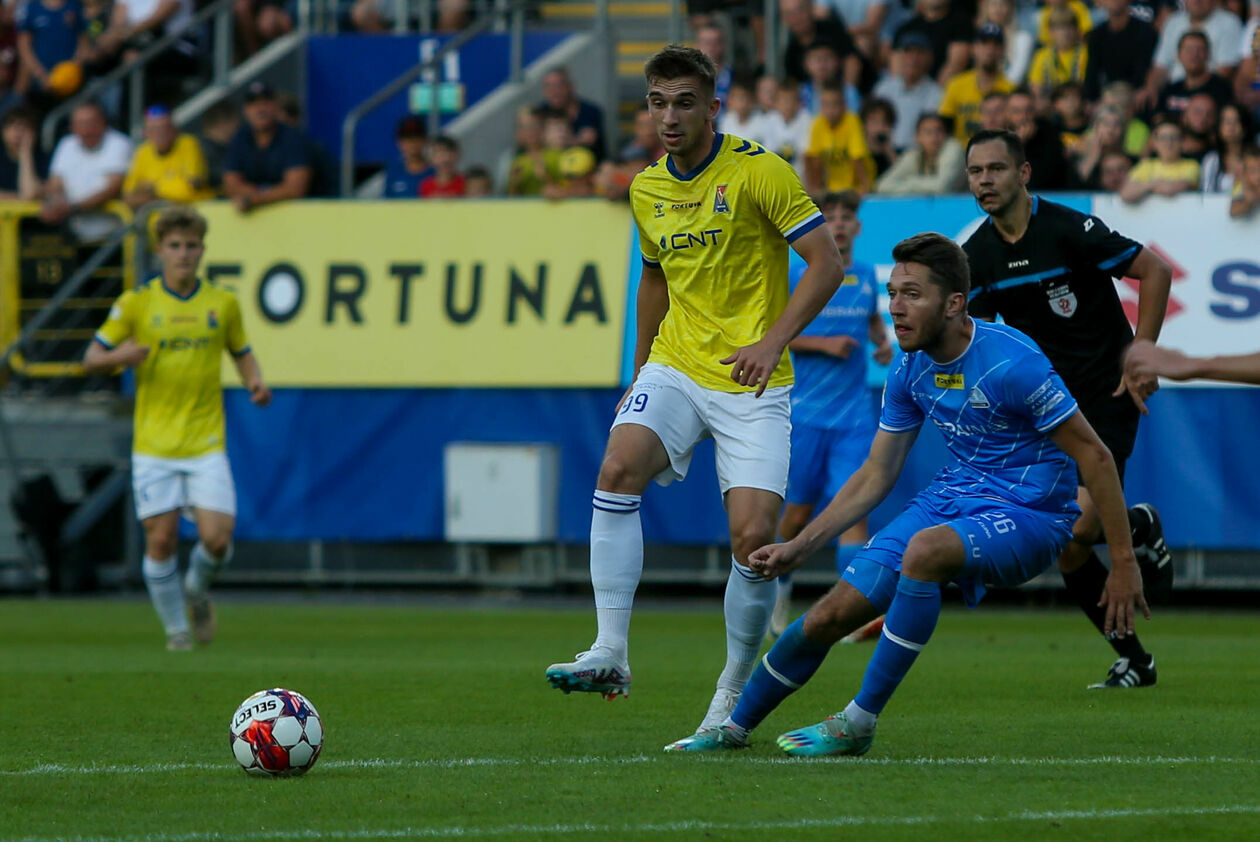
{"x": 440, "y": 725}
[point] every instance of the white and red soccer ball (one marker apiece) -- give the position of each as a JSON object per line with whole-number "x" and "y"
{"x": 276, "y": 732}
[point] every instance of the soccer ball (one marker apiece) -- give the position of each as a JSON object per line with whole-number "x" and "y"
{"x": 276, "y": 732}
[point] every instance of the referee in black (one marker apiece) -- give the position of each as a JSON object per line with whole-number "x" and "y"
{"x": 1047, "y": 270}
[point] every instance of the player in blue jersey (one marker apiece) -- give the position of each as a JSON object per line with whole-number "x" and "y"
{"x": 833, "y": 412}
{"x": 999, "y": 514}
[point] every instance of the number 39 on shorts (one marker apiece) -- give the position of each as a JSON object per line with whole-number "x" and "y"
{"x": 635, "y": 403}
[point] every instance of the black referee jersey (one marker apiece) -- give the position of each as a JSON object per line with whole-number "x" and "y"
{"x": 1055, "y": 285}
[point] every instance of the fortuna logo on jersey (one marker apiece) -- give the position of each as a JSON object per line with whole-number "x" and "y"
{"x": 719, "y": 200}
{"x": 949, "y": 381}
{"x": 1062, "y": 301}
{"x": 977, "y": 398}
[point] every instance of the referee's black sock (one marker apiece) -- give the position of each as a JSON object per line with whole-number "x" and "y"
{"x": 1086, "y": 584}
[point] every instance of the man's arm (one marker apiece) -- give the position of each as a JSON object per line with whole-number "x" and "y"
{"x": 753, "y": 364}
{"x": 868, "y": 486}
{"x": 650, "y": 308}
{"x": 877, "y": 332}
{"x": 1154, "y": 278}
{"x": 296, "y": 183}
{"x": 1148, "y": 358}
{"x": 102, "y": 360}
{"x": 1122, "y": 594}
{"x": 251, "y": 376}
{"x": 1244, "y": 204}
{"x": 957, "y": 56}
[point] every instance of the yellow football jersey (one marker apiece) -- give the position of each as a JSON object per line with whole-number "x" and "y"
{"x": 179, "y": 396}
{"x": 720, "y": 233}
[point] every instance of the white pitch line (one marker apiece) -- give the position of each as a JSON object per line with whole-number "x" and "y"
{"x": 465, "y": 831}
{"x": 53, "y": 769}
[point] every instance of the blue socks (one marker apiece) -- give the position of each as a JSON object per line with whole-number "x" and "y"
{"x": 908, "y": 627}
{"x": 787, "y": 666}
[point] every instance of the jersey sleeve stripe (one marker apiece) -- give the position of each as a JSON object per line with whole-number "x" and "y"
{"x": 647, "y": 261}
{"x": 241, "y": 352}
{"x": 1131, "y": 251}
{"x": 1058, "y": 419}
{"x": 802, "y": 228}
{"x": 1035, "y": 277}
{"x": 891, "y": 429}
{"x": 103, "y": 341}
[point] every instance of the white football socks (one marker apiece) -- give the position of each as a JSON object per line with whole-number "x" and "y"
{"x": 161, "y": 578}
{"x": 862, "y": 720}
{"x": 748, "y": 604}
{"x": 203, "y": 567}
{"x": 616, "y": 566}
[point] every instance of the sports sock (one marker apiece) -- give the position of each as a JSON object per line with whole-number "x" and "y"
{"x": 161, "y": 578}
{"x": 616, "y": 566}
{"x": 861, "y": 720}
{"x": 909, "y": 625}
{"x": 748, "y": 604}
{"x": 1139, "y": 526}
{"x": 1086, "y": 584}
{"x": 784, "y": 669}
{"x": 785, "y": 586}
{"x": 203, "y": 568}
{"x": 845, "y": 554}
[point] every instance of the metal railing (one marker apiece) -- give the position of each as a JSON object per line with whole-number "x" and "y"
{"x": 513, "y": 12}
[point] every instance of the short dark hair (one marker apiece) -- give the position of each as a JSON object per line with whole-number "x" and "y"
{"x": 877, "y": 105}
{"x": 945, "y": 260}
{"x": 446, "y": 142}
{"x": 179, "y": 218}
{"x": 931, "y": 115}
{"x": 220, "y": 113}
{"x": 850, "y": 200}
{"x": 832, "y": 86}
{"x": 1014, "y": 145}
{"x": 20, "y": 114}
{"x": 1194, "y": 33}
{"x": 678, "y": 62}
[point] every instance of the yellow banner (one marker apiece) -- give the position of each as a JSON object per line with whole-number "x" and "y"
{"x": 427, "y": 293}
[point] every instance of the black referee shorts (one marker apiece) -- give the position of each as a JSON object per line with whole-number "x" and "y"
{"x": 1116, "y": 422}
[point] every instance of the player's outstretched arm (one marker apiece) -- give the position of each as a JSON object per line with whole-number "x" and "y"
{"x": 101, "y": 360}
{"x": 251, "y": 376}
{"x": 868, "y": 486}
{"x": 1148, "y": 358}
{"x": 1122, "y": 595}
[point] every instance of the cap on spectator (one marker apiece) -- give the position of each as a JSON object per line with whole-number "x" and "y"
{"x": 991, "y": 32}
{"x": 259, "y": 90}
{"x": 411, "y": 126}
{"x": 912, "y": 39}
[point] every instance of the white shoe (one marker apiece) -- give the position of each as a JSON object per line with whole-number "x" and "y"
{"x": 782, "y": 614}
{"x": 592, "y": 672}
{"x": 723, "y": 703}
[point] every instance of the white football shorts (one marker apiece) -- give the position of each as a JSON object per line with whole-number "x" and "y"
{"x": 752, "y": 435}
{"x": 165, "y": 485}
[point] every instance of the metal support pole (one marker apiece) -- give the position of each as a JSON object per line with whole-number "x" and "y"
{"x": 400, "y": 16}
{"x": 135, "y": 108}
{"x": 675, "y": 22}
{"x": 771, "y": 36}
{"x": 223, "y": 36}
{"x": 517, "y": 44}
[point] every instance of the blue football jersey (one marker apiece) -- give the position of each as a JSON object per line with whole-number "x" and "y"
{"x": 995, "y": 407}
{"x": 831, "y": 393}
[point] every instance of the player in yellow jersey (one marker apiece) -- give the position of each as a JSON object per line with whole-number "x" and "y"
{"x": 715, "y": 217}
{"x": 173, "y": 331}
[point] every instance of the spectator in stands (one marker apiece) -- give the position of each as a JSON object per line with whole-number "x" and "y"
{"x": 135, "y": 24}
{"x": 804, "y": 31}
{"x": 932, "y": 167}
{"x": 1070, "y": 115}
{"x": 1045, "y": 27}
{"x": 1222, "y": 166}
{"x": 967, "y": 90}
{"x": 8, "y": 57}
{"x": 49, "y": 32}
{"x": 586, "y": 119}
{"x": 1198, "y": 127}
{"x": 767, "y": 91}
{"x": 477, "y": 182}
{"x": 1247, "y": 79}
{"x": 87, "y": 172}
{"x": 837, "y": 157}
{"x": 949, "y": 30}
{"x": 1120, "y": 49}
{"x": 1245, "y": 198}
{"x": 1114, "y": 171}
{"x": 787, "y": 128}
{"x": 993, "y": 111}
{"x": 711, "y": 40}
{"x": 404, "y": 173}
{"x": 1105, "y": 137}
{"x": 740, "y": 117}
{"x": 168, "y": 166}
{"x": 102, "y": 55}
{"x": 267, "y": 161}
{"x": 612, "y": 179}
{"x": 259, "y": 22}
{"x": 1119, "y": 95}
{"x": 534, "y": 164}
{"x": 23, "y": 167}
{"x": 1019, "y": 44}
{"x": 452, "y": 15}
{"x": 577, "y": 175}
{"x": 863, "y": 18}
{"x": 446, "y": 181}
{"x": 1042, "y": 145}
{"x": 1193, "y": 54}
{"x": 1064, "y": 59}
{"x": 822, "y": 66}
{"x": 645, "y": 144}
{"x": 372, "y": 17}
{"x": 879, "y": 118}
{"x": 1222, "y": 30}
{"x": 218, "y": 126}
{"x": 910, "y": 89}
{"x": 1166, "y": 174}
{"x": 323, "y": 171}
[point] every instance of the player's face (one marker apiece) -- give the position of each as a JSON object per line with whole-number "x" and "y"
{"x": 843, "y": 225}
{"x": 994, "y": 179}
{"x": 681, "y": 114}
{"x": 180, "y": 254}
{"x": 919, "y": 308}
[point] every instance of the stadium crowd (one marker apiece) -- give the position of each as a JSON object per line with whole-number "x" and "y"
{"x": 1133, "y": 98}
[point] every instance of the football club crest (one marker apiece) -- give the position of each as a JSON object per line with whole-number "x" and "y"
{"x": 212, "y": 319}
{"x": 719, "y": 200}
{"x": 1062, "y": 301}
{"x": 660, "y": 210}
{"x": 977, "y": 398}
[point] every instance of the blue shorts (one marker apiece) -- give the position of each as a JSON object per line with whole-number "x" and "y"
{"x": 1005, "y": 544}
{"x": 822, "y": 462}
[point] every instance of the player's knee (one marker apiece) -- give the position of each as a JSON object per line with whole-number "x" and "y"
{"x": 217, "y": 542}
{"x": 748, "y": 537}
{"x": 160, "y": 544}
{"x": 928, "y": 557}
{"x": 1086, "y": 532}
{"x": 620, "y": 475}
